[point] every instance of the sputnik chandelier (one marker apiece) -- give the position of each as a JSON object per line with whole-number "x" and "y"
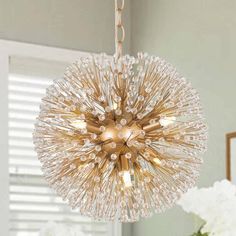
{"x": 120, "y": 138}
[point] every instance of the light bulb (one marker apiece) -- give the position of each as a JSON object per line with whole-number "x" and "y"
{"x": 166, "y": 121}
{"x": 127, "y": 179}
{"x": 115, "y": 106}
{"x": 157, "y": 161}
{"x": 79, "y": 124}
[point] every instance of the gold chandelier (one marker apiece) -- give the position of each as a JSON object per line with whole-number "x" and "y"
{"x": 120, "y": 138}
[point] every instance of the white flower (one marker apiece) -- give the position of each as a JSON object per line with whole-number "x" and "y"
{"x": 215, "y": 205}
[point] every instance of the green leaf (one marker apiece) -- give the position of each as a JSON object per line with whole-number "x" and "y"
{"x": 199, "y": 234}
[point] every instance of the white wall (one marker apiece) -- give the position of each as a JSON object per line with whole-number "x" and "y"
{"x": 86, "y": 25}
{"x": 233, "y": 160}
{"x": 198, "y": 37}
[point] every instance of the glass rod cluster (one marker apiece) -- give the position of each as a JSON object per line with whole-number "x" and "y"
{"x": 120, "y": 139}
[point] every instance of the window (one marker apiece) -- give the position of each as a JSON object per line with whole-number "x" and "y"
{"x": 31, "y": 202}
{"x": 26, "y": 201}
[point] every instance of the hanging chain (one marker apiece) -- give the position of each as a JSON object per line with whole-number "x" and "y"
{"x": 119, "y": 28}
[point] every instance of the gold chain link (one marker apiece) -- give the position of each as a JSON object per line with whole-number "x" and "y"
{"x": 119, "y": 28}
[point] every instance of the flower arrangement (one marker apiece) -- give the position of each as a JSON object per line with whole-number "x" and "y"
{"x": 216, "y": 206}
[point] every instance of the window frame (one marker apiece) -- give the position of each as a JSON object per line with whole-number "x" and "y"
{"x": 10, "y": 49}
{"x": 229, "y": 138}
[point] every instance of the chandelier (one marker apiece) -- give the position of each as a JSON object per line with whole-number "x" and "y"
{"x": 120, "y": 137}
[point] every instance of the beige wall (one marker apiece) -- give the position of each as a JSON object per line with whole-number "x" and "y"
{"x": 75, "y": 24}
{"x": 198, "y": 37}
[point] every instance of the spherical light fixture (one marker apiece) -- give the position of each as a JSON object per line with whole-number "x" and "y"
{"x": 120, "y": 138}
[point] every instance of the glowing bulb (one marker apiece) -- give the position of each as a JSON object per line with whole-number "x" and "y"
{"x": 115, "y": 106}
{"x": 157, "y": 161}
{"x": 79, "y": 124}
{"x": 127, "y": 179}
{"x": 165, "y": 121}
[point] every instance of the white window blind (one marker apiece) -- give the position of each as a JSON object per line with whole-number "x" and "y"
{"x": 32, "y": 202}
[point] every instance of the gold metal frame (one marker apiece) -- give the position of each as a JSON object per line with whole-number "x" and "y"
{"x": 119, "y": 137}
{"x": 229, "y": 136}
